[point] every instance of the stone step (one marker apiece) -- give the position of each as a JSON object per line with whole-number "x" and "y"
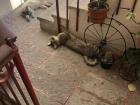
{"x": 51, "y": 26}
{"x": 49, "y": 18}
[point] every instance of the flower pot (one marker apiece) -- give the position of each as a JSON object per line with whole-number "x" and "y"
{"x": 97, "y": 16}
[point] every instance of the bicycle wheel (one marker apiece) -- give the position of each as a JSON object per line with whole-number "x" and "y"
{"x": 109, "y": 40}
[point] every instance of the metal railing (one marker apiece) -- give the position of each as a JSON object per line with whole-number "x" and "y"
{"x": 67, "y": 16}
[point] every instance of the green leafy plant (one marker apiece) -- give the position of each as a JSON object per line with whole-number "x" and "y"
{"x": 132, "y": 16}
{"x": 101, "y": 3}
{"x": 132, "y": 58}
{"x": 137, "y": 34}
{"x": 98, "y": 4}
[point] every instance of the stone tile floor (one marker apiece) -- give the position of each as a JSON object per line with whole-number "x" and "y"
{"x": 60, "y": 77}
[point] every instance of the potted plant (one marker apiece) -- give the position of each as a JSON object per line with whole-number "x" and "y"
{"x": 97, "y": 11}
{"x": 132, "y": 16}
{"x": 131, "y": 65}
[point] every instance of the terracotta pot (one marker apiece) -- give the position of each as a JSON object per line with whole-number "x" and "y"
{"x": 97, "y": 16}
{"x": 137, "y": 41}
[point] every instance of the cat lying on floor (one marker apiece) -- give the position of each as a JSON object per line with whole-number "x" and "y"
{"x": 60, "y": 39}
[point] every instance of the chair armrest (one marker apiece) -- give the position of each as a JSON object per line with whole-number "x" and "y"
{"x": 6, "y": 54}
{"x": 5, "y": 33}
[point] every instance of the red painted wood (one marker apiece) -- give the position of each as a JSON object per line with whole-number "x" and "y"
{"x": 9, "y": 69}
{"x": 23, "y": 74}
{"x": 21, "y": 69}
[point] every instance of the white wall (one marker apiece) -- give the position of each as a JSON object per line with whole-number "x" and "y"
{"x": 7, "y": 6}
{"x": 16, "y": 3}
